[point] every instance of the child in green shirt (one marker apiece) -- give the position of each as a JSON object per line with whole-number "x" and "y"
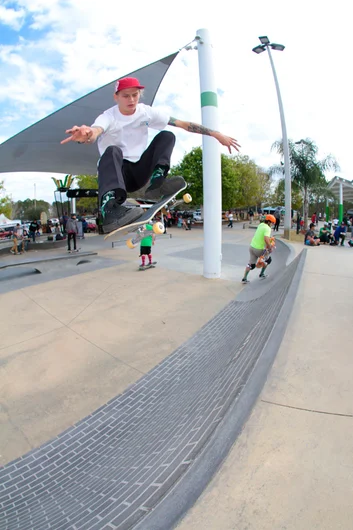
{"x": 146, "y": 247}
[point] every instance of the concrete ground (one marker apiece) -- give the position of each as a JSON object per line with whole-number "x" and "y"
{"x": 291, "y": 468}
{"x": 71, "y": 339}
{"x": 74, "y": 337}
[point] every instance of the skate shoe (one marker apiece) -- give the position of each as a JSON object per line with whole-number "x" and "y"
{"x": 116, "y": 215}
{"x": 161, "y": 186}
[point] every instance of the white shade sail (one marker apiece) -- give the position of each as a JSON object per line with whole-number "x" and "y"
{"x": 38, "y": 147}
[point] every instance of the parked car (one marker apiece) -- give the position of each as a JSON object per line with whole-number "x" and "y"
{"x": 6, "y": 233}
{"x": 91, "y": 226}
{"x": 197, "y": 215}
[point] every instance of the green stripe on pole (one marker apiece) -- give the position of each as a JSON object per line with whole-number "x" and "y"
{"x": 209, "y": 99}
{"x": 340, "y": 213}
{"x": 327, "y": 213}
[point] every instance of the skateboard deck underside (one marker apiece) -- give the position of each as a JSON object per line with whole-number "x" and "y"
{"x": 146, "y": 217}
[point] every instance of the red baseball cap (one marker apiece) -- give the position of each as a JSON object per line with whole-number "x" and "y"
{"x": 127, "y": 82}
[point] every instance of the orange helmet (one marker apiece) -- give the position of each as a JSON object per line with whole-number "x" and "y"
{"x": 271, "y": 218}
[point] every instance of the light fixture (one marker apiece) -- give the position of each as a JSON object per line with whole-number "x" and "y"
{"x": 278, "y": 47}
{"x": 264, "y": 40}
{"x": 259, "y": 49}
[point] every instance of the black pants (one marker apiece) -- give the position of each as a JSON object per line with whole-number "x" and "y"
{"x": 122, "y": 176}
{"x": 277, "y": 224}
{"x": 69, "y": 237}
{"x": 325, "y": 238}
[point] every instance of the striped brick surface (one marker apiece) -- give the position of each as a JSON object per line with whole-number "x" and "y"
{"x": 110, "y": 469}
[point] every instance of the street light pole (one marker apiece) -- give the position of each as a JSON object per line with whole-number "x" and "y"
{"x": 266, "y": 45}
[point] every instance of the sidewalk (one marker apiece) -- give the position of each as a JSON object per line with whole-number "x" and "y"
{"x": 291, "y": 468}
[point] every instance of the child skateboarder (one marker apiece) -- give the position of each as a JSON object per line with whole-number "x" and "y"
{"x": 125, "y": 164}
{"x": 259, "y": 244}
{"x": 146, "y": 248}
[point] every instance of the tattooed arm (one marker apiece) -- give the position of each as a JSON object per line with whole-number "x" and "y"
{"x": 200, "y": 129}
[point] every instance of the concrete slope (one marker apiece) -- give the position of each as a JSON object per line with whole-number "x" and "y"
{"x": 112, "y": 467}
{"x": 291, "y": 466}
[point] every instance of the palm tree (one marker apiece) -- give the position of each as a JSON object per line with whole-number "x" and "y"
{"x": 306, "y": 171}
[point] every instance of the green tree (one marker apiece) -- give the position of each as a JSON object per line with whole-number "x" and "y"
{"x": 89, "y": 204}
{"x": 243, "y": 183}
{"x": 254, "y": 183}
{"x": 230, "y": 182}
{"x": 5, "y": 202}
{"x": 265, "y": 183}
{"x": 30, "y": 209}
{"x": 191, "y": 169}
{"x": 306, "y": 171}
{"x": 277, "y": 198}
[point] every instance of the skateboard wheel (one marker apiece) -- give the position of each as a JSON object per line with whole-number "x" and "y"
{"x": 158, "y": 228}
{"x": 187, "y": 198}
{"x": 130, "y": 244}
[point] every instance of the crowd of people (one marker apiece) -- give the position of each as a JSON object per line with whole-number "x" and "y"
{"x": 333, "y": 234}
{"x": 68, "y": 227}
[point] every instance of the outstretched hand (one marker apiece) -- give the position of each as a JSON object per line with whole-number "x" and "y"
{"x": 81, "y": 134}
{"x": 228, "y": 141}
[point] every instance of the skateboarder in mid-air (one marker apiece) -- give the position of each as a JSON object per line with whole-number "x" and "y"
{"x": 125, "y": 164}
{"x": 260, "y": 243}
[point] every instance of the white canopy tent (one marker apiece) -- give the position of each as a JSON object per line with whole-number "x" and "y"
{"x": 4, "y": 220}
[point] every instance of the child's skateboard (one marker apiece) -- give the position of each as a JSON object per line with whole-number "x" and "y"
{"x": 148, "y": 266}
{"x": 158, "y": 227}
{"x": 261, "y": 262}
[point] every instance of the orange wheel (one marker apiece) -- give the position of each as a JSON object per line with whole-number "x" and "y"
{"x": 130, "y": 244}
{"x": 187, "y": 198}
{"x": 158, "y": 228}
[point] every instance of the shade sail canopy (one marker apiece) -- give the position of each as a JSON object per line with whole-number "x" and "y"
{"x": 38, "y": 147}
{"x": 347, "y": 188}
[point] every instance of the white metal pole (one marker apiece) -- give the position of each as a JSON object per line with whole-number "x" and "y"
{"x": 287, "y": 175}
{"x": 211, "y": 159}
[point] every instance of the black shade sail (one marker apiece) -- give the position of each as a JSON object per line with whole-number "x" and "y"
{"x": 38, "y": 147}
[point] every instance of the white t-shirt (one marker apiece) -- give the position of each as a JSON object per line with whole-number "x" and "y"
{"x": 130, "y": 133}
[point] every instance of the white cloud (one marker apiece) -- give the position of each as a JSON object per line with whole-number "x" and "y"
{"x": 12, "y": 17}
{"x": 88, "y": 45}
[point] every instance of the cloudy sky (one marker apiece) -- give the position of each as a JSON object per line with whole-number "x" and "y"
{"x": 54, "y": 51}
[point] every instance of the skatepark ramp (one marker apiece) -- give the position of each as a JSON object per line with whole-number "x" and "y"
{"x": 142, "y": 459}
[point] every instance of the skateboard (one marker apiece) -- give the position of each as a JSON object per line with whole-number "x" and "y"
{"x": 147, "y": 217}
{"x": 148, "y": 266}
{"x": 262, "y": 259}
{"x": 77, "y": 250}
